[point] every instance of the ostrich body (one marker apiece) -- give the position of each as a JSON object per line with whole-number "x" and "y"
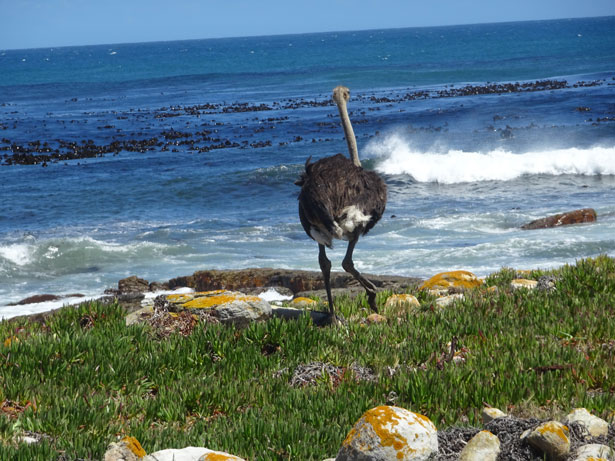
{"x": 341, "y": 200}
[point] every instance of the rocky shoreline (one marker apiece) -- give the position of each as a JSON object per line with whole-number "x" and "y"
{"x": 131, "y": 291}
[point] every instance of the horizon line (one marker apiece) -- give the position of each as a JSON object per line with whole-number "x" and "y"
{"x": 301, "y": 33}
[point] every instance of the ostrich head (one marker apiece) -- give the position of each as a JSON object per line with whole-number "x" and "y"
{"x": 341, "y": 96}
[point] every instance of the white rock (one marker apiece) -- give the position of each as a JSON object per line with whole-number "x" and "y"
{"x": 484, "y": 446}
{"x": 219, "y": 456}
{"x": 595, "y": 426}
{"x": 402, "y": 301}
{"x": 389, "y": 433}
{"x": 594, "y": 452}
{"x": 551, "y": 438}
{"x": 448, "y": 300}
{"x": 490, "y": 413}
{"x": 524, "y": 283}
{"x": 190, "y": 454}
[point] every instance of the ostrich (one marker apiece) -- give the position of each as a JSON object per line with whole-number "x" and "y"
{"x": 341, "y": 200}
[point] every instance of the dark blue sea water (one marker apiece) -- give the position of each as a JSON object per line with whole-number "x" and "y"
{"x": 476, "y": 129}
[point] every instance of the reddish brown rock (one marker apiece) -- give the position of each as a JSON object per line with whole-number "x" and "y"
{"x": 133, "y": 284}
{"x": 295, "y": 280}
{"x": 36, "y": 299}
{"x": 571, "y": 217}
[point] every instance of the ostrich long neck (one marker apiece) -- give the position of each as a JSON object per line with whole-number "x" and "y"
{"x": 349, "y": 133}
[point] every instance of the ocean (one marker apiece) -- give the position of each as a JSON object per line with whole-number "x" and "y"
{"x": 160, "y": 159}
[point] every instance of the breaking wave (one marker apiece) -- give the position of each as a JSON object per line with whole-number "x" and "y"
{"x": 396, "y": 156}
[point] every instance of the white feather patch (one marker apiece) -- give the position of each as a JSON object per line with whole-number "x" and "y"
{"x": 353, "y": 218}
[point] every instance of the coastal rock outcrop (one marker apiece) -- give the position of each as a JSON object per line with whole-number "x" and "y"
{"x": 584, "y": 215}
{"x": 298, "y": 281}
{"x": 132, "y": 284}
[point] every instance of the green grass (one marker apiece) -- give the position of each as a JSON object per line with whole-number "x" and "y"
{"x": 84, "y": 378}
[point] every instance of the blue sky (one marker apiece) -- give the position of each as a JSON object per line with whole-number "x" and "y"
{"x": 53, "y": 23}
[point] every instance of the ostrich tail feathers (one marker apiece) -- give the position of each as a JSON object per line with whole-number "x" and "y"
{"x": 299, "y": 182}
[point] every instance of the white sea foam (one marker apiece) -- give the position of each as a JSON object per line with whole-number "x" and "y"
{"x": 17, "y": 253}
{"x": 398, "y": 157}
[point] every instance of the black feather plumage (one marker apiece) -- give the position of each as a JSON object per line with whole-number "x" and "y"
{"x": 331, "y": 185}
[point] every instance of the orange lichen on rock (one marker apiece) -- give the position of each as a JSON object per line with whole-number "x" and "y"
{"x": 180, "y": 298}
{"x": 218, "y": 457}
{"x": 444, "y": 280}
{"x": 382, "y": 419}
{"x": 133, "y": 445}
{"x": 389, "y": 432}
{"x": 303, "y": 301}
{"x": 554, "y": 428}
{"x": 205, "y": 302}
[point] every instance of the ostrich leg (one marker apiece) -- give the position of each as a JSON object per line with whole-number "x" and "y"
{"x": 348, "y": 266}
{"x": 325, "y": 267}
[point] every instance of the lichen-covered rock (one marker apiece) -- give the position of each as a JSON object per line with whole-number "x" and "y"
{"x": 389, "y": 433}
{"x": 447, "y": 300}
{"x": 302, "y": 301}
{"x": 127, "y": 449}
{"x": 219, "y": 456}
{"x": 490, "y": 413}
{"x": 594, "y": 425}
{"x": 228, "y": 307}
{"x": 376, "y": 318}
{"x": 484, "y": 446}
{"x": 551, "y": 438}
{"x": 445, "y": 280}
{"x": 402, "y": 301}
{"x": 594, "y": 452}
{"x": 523, "y": 283}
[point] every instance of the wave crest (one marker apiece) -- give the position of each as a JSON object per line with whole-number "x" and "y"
{"x": 396, "y": 156}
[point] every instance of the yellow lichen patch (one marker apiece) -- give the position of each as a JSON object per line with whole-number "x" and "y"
{"x": 218, "y": 457}
{"x": 382, "y": 419}
{"x": 210, "y": 293}
{"x": 402, "y": 300}
{"x": 443, "y": 280}
{"x": 216, "y": 300}
{"x": 180, "y": 298}
{"x": 302, "y": 301}
{"x": 556, "y": 428}
{"x": 133, "y": 445}
{"x": 524, "y": 283}
{"x": 424, "y": 421}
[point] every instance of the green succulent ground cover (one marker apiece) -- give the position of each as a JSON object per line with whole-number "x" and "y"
{"x": 83, "y": 377}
